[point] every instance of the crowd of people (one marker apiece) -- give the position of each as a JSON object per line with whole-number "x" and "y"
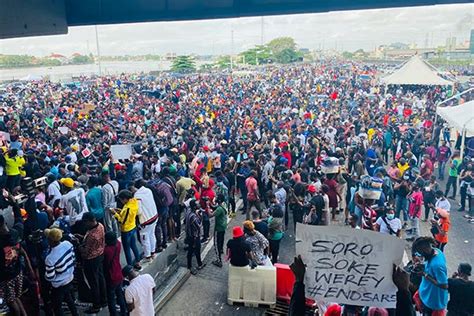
{"x": 287, "y": 145}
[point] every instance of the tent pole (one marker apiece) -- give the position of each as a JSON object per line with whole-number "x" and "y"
{"x": 461, "y": 154}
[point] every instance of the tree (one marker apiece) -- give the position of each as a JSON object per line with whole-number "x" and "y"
{"x": 259, "y": 54}
{"x": 223, "y": 62}
{"x": 81, "y": 59}
{"x": 347, "y": 55}
{"x": 283, "y": 50}
{"x": 183, "y": 64}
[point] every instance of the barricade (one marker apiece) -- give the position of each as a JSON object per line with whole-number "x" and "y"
{"x": 252, "y": 287}
{"x": 285, "y": 281}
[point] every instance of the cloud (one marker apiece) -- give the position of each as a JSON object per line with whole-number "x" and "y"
{"x": 348, "y": 29}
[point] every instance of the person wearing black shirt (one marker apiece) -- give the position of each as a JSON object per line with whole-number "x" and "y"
{"x": 461, "y": 292}
{"x": 260, "y": 225}
{"x": 238, "y": 250}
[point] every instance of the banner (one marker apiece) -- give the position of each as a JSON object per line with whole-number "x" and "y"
{"x": 121, "y": 151}
{"x": 63, "y": 129}
{"x": 349, "y": 266}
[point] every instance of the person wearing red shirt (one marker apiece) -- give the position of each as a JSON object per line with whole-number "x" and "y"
{"x": 414, "y": 212}
{"x": 426, "y": 168}
{"x": 113, "y": 274}
{"x": 286, "y": 153}
{"x": 253, "y": 197}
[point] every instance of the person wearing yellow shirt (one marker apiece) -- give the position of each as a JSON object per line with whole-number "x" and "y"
{"x": 403, "y": 165}
{"x": 14, "y": 163}
{"x": 127, "y": 219}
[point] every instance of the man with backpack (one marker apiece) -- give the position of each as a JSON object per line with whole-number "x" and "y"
{"x": 110, "y": 189}
{"x": 165, "y": 200}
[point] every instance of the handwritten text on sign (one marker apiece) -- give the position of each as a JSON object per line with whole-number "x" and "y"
{"x": 349, "y": 266}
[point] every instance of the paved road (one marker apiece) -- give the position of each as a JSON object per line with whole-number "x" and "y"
{"x": 206, "y": 293}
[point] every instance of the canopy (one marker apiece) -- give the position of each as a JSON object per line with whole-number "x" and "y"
{"x": 416, "y": 71}
{"x": 460, "y": 116}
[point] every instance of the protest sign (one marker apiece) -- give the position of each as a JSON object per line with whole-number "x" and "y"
{"x": 258, "y": 133}
{"x": 86, "y": 153}
{"x": 63, "y": 129}
{"x": 4, "y": 136}
{"x": 121, "y": 151}
{"x": 349, "y": 266}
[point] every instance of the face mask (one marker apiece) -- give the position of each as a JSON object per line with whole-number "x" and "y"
{"x": 390, "y": 216}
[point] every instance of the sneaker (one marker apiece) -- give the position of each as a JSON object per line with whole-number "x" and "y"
{"x": 217, "y": 263}
{"x": 201, "y": 266}
{"x": 137, "y": 266}
{"x": 204, "y": 240}
{"x": 193, "y": 271}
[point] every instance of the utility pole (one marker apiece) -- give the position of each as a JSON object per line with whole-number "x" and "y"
{"x": 98, "y": 50}
{"x": 231, "y": 50}
{"x": 261, "y": 30}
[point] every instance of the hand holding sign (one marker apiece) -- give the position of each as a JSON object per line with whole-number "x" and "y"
{"x": 349, "y": 266}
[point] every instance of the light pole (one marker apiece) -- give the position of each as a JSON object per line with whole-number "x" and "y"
{"x": 98, "y": 50}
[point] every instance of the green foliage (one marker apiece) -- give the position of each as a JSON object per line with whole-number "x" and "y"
{"x": 13, "y": 61}
{"x": 282, "y": 50}
{"x": 206, "y": 67}
{"x": 223, "y": 62}
{"x": 80, "y": 59}
{"x": 259, "y": 54}
{"x": 183, "y": 64}
{"x": 347, "y": 55}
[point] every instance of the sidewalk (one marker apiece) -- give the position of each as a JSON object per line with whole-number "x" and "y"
{"x": 206, "y": 292}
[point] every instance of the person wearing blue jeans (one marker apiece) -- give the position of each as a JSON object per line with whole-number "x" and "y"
{"x": 129, "y": 242}
{"x": 441, "y": 169}
{"x": 401, "y": 204}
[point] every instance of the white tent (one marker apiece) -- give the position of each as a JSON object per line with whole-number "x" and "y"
{"x": 460, "y": 117}
{"x": 417, "y": 72}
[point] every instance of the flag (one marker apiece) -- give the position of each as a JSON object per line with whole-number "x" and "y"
{"x": 49, "y": 121}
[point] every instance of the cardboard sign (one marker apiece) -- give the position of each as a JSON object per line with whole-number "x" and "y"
{"x": 86, "y": 153}
{"x": 5, "y": 136}
{"x": 349, "y": 266}
{"x": 63, "y": 129}
{"x": 121, "y": 151}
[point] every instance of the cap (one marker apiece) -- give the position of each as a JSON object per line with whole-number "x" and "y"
{"x": 237, "y": 232}
{"x": 465, "y": 268}
{"x": 53, "y": 234}
{"x": 333, "y": 310}
{"x": 67, "y": 182}
{"x": 311, "y": 188}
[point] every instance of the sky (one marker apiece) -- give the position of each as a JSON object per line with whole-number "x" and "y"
{"x": 343, "y": 30}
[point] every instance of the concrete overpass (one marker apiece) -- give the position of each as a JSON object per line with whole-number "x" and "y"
{"x": 20, "y": 18}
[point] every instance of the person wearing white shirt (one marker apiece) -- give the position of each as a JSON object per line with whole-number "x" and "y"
{"x": 389, "y": 224}
{"x": 54, "y": 190}
{"x": 442, "y": 202}
{"x": 147, "y": 216}
{"x": 139, "y": 294}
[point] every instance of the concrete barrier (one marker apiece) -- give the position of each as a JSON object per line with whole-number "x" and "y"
{"x": 252, "y": 287}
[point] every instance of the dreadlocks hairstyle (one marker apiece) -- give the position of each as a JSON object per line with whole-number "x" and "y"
{"x": 423, "y": 241}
